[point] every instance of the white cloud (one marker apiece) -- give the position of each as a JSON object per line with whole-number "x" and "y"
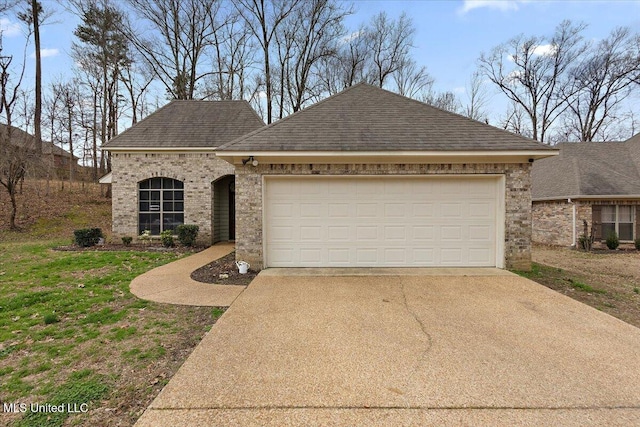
{"x": 503, "y": 5}
{"x": 459, "y": 89}
{"x": 8, "y": 28}
{"x": 544, "y": 50}
{"x": 46, "y": 53}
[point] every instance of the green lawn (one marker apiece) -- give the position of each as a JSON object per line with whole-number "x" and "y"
{"x": 70, "y": 331}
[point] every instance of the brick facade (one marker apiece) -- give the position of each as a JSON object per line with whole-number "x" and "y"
{"x": 249, "y": 204}
{"x": 553, "y": 220}
{"x": 196, "y": 170}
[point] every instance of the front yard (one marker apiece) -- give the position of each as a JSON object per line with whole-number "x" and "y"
{"x": 609, "y": 282}
{"x": 72, "y": 333}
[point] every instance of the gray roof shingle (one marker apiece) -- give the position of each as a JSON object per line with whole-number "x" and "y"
{"x": 367, "y": 118}
{"x": 588, "y": 169}
{"x": 21, "y": 138}
{"x": 190, "y": 124}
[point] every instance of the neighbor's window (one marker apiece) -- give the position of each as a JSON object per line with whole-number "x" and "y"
{"x": 161, "y": 205}
{"x": 618, "y": 219}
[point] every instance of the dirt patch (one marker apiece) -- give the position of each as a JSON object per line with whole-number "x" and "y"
{"x": 223, "y": 271}
{"x": 606, "y": 280}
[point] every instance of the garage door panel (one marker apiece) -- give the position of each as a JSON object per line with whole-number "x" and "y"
{"x": 408, "y": 221}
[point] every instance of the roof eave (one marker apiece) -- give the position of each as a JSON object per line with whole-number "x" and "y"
{"x": 587, "y": 197}
{"x": 159, "y": 149}
{"x": 382, "y": 157}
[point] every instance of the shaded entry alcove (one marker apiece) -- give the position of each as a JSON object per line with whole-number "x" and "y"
{"x": 224, "y": 209}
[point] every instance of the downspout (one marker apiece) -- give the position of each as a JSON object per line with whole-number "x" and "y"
{"x": 573, "y": 222}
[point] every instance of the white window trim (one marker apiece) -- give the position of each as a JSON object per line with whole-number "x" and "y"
{"x": 617, "y": 222}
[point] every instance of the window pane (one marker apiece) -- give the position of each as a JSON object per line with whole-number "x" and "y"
{"x": 144, "y": 206}
{"x": 607, "y": 229}
{"x": 626, "y": 231}
{"x": 625, "y": 214}
{"x": 171, "y": 221}
{"x": 178, "y": 206}
{"x": 149, "y": 221}
{"x": 145, "y": 184}
{"x": 178, "y": 184}
{"x": 167, "y": 183}
{"x": 608, "y": 214}
{"x": 167, "y": 206}
{"x": 167, "y": 195}
{"x": 144, "y": 195}
{"x": 155, "y": 195}
{"x": 156, "y": 183}
{"x": 178, "y": 195}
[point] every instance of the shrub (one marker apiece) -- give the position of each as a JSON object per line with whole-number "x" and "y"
{"x": 50, "y": 319}
{"x": 187, "y": 234}
{"x": 126, "y": 240}
{"x": 167, "y": 238}
{"x": 87, "y": 236}
{"x": 612, "y": 240}
{"x": 637, "y": 243}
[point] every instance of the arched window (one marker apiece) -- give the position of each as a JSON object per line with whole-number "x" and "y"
{"x": 161, "y": 205}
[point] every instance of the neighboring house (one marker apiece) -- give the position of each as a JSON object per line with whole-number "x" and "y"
{"x": 371, "y": 178}
{"x": 165, "y": 172}
{"x": 596, "y": 182}
{"x": 60, "y": 158}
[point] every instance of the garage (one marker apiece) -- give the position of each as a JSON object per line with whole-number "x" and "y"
{"x": 383, "y": 221}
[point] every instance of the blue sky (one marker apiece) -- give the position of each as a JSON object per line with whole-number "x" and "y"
{"x": 450, "y": 35}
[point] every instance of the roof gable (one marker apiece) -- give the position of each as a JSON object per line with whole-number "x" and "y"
{"x": 367, "y": 118}
{"x": 190, "y": 124}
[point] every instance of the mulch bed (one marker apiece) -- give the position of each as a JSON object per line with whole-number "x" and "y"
{"x": 223, "y": 271}
{"x": 120, "y": 247}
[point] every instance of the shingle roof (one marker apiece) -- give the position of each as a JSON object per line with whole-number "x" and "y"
{"x": 189, "y": 123}
{"x": 367, "y": 118}
{"x": 22, "y": 138}
{"x": 588, "y": 169}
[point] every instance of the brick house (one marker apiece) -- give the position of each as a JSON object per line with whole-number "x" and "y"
{"x": 596, "y": 182}
{"x": 363, "y": 178}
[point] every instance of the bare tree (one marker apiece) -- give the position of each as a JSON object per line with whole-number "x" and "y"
{"x": 601, "y": 82}
{"x": 477, "y": 98}
{"x": 390, "y": 42}
{"x": 15, "y": 150}
{"x": 178, "y": 35}
{"x": 531, "y": 71}
{"x": 444, "y": 100}
{"x": 412, "y": 81}
{"x": 264, "y": 19}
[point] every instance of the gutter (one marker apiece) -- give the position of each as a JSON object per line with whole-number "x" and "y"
{"x": 573, "y": 228}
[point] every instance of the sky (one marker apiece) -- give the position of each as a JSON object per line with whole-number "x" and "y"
{"x": 450, "y": 35}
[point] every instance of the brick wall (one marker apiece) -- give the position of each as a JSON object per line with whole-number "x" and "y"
{"x": 196, "y": 170}
{"x": 517, "y": 200}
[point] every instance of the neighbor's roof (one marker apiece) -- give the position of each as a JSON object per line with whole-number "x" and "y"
{"x": 367, "y": 118}
{"x": 585, "y": 169}
{"x": 22, "y": 138}
{"x": 190, "y": 124}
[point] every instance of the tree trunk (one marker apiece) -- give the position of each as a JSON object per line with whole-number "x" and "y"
{"x": 38, "y": 107}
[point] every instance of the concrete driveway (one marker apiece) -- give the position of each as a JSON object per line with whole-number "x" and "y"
{"x": 488, "y": 348}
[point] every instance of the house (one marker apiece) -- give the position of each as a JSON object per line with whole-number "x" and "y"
{"x": 363, "y": 178}
{"x": 165, "y": 172}
{"x": 60, "y": 158}
{"x": 596, "y": 182}
{"x": 371, "y": 178}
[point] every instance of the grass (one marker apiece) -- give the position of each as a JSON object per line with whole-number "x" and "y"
{"x": 70, "y": 331}
{"x": 556, "y": 277}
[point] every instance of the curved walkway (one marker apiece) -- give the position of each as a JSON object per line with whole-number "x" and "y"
{"x": 172, "y": 283}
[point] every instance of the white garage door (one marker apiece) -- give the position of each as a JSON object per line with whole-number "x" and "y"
{"x": 382, "y": 221}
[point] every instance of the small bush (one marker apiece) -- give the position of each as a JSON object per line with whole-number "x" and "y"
{"x": 167, "y": 238}
{"x": 86, "y": 237}
{"x": 187, "y": 234}
{"x": 126, "y": 240}
{"x": 612, "y": 241}
{"x": 637, "y": 243}
{"x": 50, "y": 319}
